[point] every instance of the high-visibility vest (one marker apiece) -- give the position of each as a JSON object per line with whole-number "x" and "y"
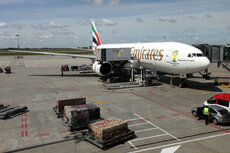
{"x": 206, "y": 111}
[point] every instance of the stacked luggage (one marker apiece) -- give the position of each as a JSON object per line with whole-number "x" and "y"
{"x": 108, "y": 132}
{"x": 61, "y": 103}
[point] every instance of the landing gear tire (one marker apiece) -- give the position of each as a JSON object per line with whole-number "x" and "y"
{"x": 182, "y": 83}
{"x": 215, "y": 121}
{"x": 207, "y": 77}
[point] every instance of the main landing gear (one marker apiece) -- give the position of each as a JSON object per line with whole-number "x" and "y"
{"x": 182, "y": 82}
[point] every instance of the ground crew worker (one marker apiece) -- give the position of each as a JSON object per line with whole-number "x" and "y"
{"x": 61, "y": 70}
{"x": 206, "y": 114}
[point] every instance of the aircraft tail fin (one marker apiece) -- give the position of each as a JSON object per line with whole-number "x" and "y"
{"x": 96, "y": 39}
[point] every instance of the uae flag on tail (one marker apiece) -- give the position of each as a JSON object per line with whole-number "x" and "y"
{"x": 96, "y": 39}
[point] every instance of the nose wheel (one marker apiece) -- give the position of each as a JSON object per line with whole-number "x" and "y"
{"x": 182, "y": 83}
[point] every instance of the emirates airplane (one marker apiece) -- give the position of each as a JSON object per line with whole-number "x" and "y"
{"x": 166, "y": 57}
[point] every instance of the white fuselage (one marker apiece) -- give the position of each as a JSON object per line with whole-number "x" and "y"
{"x": 167, "y": 57}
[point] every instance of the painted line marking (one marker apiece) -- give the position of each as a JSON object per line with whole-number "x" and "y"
{"x": 159, "y": 117}
{"x": 26, "y": 133}
{"x": 8, "y": 63}
{"x": 155, "y": 136}
{"x": 42, "y": 134}
{"x": 137, "y": 124}
{"x": 175, "y": 114}
{"x": 64, "y": 131}
{"x": 22, "y": 134}
{"x": 132, "y": 145}
{"x": 158, "y": 127}
{"x": 134, "y": 119}
{"x": 170, "y": 149}
{"x": 182, "y": 142}
{"x": 146, "y": 130}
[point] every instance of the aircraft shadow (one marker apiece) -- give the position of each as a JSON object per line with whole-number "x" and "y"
{"x": 67, "y": 75}
{"x": 203, "y": 86}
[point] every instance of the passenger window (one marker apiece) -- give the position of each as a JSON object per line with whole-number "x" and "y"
{"x": 223, "y": 102}
{"x": 212, "y": 100}
{"x": 189, "y": 55}
{"x": 212, "y": 111}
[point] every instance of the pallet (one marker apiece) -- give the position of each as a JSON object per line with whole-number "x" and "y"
{"x": 78, "y": 126}
{"x": 9, "y": 111}
{"x": 109, "y": 143}
{"x": 59, "y": 115}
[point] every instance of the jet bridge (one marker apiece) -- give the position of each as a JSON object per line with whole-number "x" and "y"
{"x": 219, "y": 54}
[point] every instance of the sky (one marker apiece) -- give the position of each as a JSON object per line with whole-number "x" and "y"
{"x": 66, "y": 23}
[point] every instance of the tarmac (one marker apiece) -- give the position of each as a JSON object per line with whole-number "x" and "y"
{"x": 160, "y": 115}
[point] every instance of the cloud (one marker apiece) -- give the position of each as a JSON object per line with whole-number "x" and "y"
{"x": 161, "y": 20}
{"x": 139, "y": 20}
{"x": 96, "y": 2}
{"x": 113, "y": 2}
{"x": 46, "y": 36}
{"x": 191, "y": 17}
{"x": 3, "y": 25}
{"x": 172, "y": 20}
{"x": 190, "y": 30}
{"x": 49, "y": 25}
{"x": 102, "y": 2}
{"x": 105, "y": 22}
{"x": 19, "y": 26}
{"x": 101, "y": 22}
{"x": 63, "y": 33}
{"x": 208, "y": 16}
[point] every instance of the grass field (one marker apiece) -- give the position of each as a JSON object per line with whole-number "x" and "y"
{"x": 5, "y": 52}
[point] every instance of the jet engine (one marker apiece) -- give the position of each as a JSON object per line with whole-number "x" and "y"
{"x": 103, "y": 69}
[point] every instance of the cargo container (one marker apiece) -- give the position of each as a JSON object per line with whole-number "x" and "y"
{"x": 61, "y": 103}
{"x": 108, "y": 132}
{"x": 75, "y": 115}
{"x": 113, "y": 54}
{"x": 80, "y": 116}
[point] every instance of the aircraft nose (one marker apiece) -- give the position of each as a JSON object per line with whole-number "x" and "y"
{"x": 205, "y": 63}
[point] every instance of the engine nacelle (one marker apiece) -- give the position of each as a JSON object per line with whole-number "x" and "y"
{"x": 103, "y": 69}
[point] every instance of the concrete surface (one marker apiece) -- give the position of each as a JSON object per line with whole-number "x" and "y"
{"x": 160, "y": 115}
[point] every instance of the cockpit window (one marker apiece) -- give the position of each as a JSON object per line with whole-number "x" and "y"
{"x": 194, "y": 54}
{"x": 199, "y": 55}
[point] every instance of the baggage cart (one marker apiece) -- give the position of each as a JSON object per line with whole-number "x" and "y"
{"x": 10, "y": 111}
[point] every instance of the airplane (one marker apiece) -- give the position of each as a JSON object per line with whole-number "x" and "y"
{"x": 166, "y": 57}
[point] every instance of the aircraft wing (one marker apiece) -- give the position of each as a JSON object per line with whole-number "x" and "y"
{"x": 60, "y": 54}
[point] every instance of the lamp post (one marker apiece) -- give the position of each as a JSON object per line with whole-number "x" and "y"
{"x": 17, "y": 37}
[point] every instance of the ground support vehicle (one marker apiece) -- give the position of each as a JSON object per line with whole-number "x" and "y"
{"x": 65, "y": 68}
{"x": 7, "y": 111}
{"x": 111, "y": 142}
{"x": 7, "y": 69}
